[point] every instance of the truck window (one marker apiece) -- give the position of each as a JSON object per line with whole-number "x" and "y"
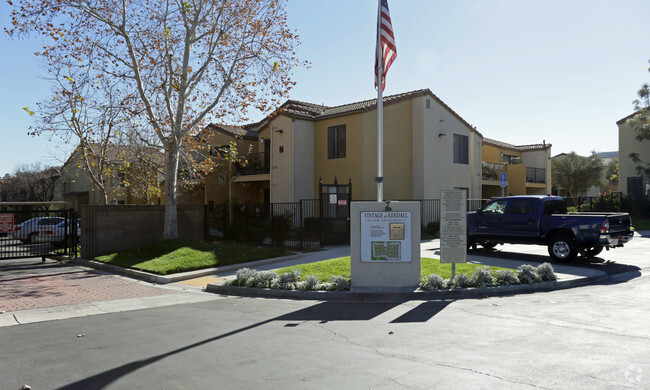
{"x": 496, "y": 207}
{"x": 522, "y": 206}
{"x": 554, "y": 207}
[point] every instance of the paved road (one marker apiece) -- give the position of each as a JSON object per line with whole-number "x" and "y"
{"x": 590, "y": 337}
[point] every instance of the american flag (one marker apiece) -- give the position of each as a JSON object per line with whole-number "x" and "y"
{"x": 386, "y": 51}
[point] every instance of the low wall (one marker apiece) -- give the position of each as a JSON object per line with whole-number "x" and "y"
{"x": 109, "y": 229}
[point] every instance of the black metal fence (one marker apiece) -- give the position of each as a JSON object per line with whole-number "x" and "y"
{"x": 38, "y": 233}
{"x": 298, "y": 224}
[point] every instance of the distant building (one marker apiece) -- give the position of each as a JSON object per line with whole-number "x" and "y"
{"x": 527, "y": 168}
{"x": 630, "y": 182}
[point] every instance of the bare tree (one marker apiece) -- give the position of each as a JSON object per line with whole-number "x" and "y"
{"x": 181, "y": 61}
{"x": 31, "y": 183}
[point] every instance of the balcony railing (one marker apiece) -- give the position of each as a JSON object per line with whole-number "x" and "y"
{"x": 535, "y": 175}
{"x": 253, "y": 164}
{"x": 492, "y": 171}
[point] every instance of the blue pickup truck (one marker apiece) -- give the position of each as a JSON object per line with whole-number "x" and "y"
{"x": 543, "y": 220}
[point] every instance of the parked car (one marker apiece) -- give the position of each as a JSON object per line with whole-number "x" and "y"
{"x": 57, "y": 234}
{"x": 543, "y": 220}
{"x": 26, "y": 231}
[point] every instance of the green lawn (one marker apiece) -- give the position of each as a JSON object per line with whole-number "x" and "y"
{"x": 168, "y": 257}
{"x": 323, "y": 270}
{"x": 641, "y": 224}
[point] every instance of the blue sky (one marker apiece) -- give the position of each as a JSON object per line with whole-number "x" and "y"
{"x": 520, "y": 71}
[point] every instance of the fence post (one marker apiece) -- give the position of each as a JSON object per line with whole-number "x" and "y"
{"x": 302, "y": 225}
{"x": 271, "y": 212}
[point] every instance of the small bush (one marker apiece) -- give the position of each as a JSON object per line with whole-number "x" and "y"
{"x": 263, "y": 279}
{"x": 483, "y": 277}
{"x": 506, "y": 277}
{"x": 245, "y": 277}
{"x": 462, "y": 281}
{"x": 433, "y": 282}
{"x": 312, "y": 281}
{"x": 302, "y": 285}
{"x": 526, "y": 274}
{"x": 340, "y": 283}
{"x": 288, "y": 280}
{"x": 545, "y": 272}
{"x": 327, "y": 286}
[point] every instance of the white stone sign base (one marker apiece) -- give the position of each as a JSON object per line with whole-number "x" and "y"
{"x": 385, "y": 246}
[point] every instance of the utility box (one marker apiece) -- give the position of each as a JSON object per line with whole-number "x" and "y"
{"x": 385, "y": 246}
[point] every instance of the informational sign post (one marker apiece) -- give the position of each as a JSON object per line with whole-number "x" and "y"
{"x": 386, "y": 236}
{"x": 385, "y": 246}
{"x": 453, "y": 226}
{"x": 6, "y": 223}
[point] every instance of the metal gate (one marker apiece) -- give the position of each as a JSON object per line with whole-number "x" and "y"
{"x": 334, "y": 202}
{"x": 38, "y": 233}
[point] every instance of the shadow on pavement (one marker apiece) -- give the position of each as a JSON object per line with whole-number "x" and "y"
{"x": 323, "y": 312}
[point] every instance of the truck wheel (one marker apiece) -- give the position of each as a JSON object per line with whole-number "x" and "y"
{"x": 562, "y": 248}
{"x": 593, "y": 251}
{"x": 488, "y": 245}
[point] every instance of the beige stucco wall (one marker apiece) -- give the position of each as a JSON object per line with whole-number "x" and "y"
{"x": 76, "y": 179}
{"x": 476, "y": 166}
{"x": 353, "y": 165}
{"x": 303, "y": 159}
{"x": 439, "y": 170}
{"x": 539, "y": 159}
{"x": 281, "y": 132}
{"x": 628, "y": 144}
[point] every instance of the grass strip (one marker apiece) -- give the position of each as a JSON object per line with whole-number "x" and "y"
{"x": 173, "y": 256}
{"x": 340, "y": 266}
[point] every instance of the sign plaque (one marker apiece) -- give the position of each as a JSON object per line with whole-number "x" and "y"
{"x": 386, "y": 236}
{"x": 6, "y": 223}
{"x": 453, "y": 226}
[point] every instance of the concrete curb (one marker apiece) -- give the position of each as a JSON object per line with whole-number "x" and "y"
{"x": 165, "y": 279}
{"x": 405, "y": 296}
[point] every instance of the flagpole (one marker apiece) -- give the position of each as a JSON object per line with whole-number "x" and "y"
{"x": 380, "y": 111}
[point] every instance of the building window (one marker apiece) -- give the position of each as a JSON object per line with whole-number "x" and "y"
{"x": 507, "y": 158}
{"x": 461, "y": 149}
{"x": 336, "y": 142}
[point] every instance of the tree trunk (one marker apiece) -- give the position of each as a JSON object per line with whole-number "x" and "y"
{"x": 171, "y": 174}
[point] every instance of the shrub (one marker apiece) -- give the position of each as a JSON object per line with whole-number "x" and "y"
{"x": 302, "y": 286}
{"x": 506, "y": 277}
{"x": 327, "y": 286}
{"x": 545, "y": 272}
{"x": 340, "y": 283}
{"x": 244, "y": 277}
{"x": 526, "y": 274}
{"x": 312, "y": 282}
{"x": 483, "y": 277}
{"x": 287, "y": 280}
{"x": 263, "y": 279}
{"x": 433, "y": 282}
{"x": 462, "y": 281}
